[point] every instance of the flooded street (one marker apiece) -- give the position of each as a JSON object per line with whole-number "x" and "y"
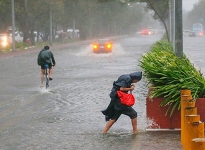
{"x": 67, "y": 115}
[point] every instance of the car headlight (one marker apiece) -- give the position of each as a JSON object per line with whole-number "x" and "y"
{"x": 109, "y": 46}
{"x": 95, "y": 46}
{"x": 4, "y": 38}
{"x": 4, "y": 43}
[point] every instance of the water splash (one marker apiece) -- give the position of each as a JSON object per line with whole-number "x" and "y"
{"x": 151, "y": 124}
{"x": 44, "y": 90}
{"x": 87, "y": 51}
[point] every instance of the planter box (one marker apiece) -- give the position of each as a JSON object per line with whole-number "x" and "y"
{"x": 200, "y": 104}
{"x": 156, "y": 115}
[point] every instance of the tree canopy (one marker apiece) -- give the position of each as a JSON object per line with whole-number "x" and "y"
{"x": 160, "y": 8}
{"x": 196, "y": 15}
{"x": 94, "y": 18}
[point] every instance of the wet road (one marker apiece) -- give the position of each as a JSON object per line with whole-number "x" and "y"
{"x": 67, "y": 116}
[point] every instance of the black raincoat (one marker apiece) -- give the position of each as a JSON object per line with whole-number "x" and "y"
{"x": 123, "y": 81}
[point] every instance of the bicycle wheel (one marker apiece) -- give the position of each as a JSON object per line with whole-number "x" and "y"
{"x": 46, "y": 76}
{"x": 47, "y": 79}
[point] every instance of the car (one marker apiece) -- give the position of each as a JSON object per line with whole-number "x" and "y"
{"x": 186, "y": 32}
{"x": 147, "y": 32}
{"x": 18, "y": 36}
{"x": 4, "y": 40}
{"x": 198, "y": 29}
{"x": 192, "y": 34}
{"x": 102, "y": 46}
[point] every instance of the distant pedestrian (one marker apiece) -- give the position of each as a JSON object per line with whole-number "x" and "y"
{"x": 115, "y": 108}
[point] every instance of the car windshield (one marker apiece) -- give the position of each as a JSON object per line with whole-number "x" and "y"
{"x": 103, "y": 41}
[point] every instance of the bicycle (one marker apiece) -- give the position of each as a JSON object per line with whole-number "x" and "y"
{"x": 46, "y": 75}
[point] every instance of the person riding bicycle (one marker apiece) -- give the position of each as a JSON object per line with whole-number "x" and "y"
{"x": 45, "y": 56}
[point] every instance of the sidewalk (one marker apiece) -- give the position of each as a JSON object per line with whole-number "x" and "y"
{"x": 52, "y": 47}
{"x": 37, "y": 49}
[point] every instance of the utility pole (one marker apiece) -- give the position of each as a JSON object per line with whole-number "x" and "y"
{"x": 13, "y": 26}
{"x": 74, "y": 6}
{"x": 51, "y": 24}
{"x": 173, "y": 23}
{"x": 178, "y": 29}
{"x": 170, "y": 22}
{"x": 74, "y": 29}
{"x": 26, "y": 4}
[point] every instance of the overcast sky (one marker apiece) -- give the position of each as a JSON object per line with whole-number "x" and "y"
{"x": 188, "y": 4}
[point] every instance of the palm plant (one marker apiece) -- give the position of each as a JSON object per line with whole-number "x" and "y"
{"x": 168, "y": 74}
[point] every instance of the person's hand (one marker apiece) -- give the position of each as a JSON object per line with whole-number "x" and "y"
{"x": 132, "y": 87}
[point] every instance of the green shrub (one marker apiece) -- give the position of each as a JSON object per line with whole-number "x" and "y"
{"x": 21, "y": 45}
{"x": 168, "y": 75}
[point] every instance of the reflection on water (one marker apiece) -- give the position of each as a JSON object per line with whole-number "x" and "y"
{"x": 67, "y": 114}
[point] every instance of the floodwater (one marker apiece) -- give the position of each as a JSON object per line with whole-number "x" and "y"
{"x": 67, "y": 115}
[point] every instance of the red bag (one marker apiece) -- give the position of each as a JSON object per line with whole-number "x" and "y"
{"x": 126, "y": 98}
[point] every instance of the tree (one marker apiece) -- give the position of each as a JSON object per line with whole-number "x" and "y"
{"x": 94, "y": 18}
{"x": 29, "y": 13}
{"x": 196, "y": 15}
{"x": 5, "y": 17}
{"x": 160, "y": 8}
{"x": 101, "y": 18}
{"x": 123, "y": 17}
